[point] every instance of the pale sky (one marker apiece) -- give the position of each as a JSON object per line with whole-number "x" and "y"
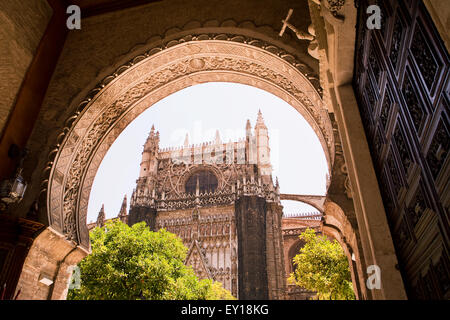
{"x": 297, "y": 157}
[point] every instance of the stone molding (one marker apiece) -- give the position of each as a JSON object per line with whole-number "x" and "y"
{"x": 150, "y": 77}
{"x": 53, "y": 256}
{"x": 180, "y": 201}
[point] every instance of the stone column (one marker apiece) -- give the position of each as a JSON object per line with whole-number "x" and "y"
{"x": 375, "y": 235}
{"x": 274, "y": 254}
{"x": 340, "y": 220}
{"x": 251, "y": 232}
{"x": 48, "y": 267}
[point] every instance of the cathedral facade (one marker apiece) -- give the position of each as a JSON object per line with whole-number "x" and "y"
{"x": 220, "y": 199}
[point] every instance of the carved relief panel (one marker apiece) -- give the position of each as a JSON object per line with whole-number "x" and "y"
{"x": 210, "y": 235}
{"x": 401, "y": 83}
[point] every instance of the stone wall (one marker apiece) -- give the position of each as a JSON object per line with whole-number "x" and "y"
{"x": 251, "y": 230}
{"x": 147, "y": 214}
{"x": 276, "y": 275}
{"x": 53, "y": 258}
{"x": 22, "y": 24}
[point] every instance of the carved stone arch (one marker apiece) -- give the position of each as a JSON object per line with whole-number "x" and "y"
{"x": 150, "y": 77}
{"x": 314, "y": 201}
{"x": 336, "y": 225}
{"x": 293, "y": 250}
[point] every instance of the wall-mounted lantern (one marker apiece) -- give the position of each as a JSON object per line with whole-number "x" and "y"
{"x": 13, "y": 189}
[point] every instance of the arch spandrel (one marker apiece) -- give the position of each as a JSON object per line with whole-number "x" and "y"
{"x": 114, "y": 105}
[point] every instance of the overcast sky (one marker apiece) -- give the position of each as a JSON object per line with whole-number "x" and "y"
{"x": 296, "y": 154}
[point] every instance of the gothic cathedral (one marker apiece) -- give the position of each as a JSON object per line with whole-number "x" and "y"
{"x": 220, "y": 199}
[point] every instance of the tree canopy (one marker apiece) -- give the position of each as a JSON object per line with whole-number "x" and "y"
{"x": 133, "y": 263}
{"x": 322, "y": 266}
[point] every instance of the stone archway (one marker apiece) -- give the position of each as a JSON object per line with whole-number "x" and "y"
{"x": 336, "y": 38}
{"x": 150, "y": 77}
{"x": 336, "y": 224}
{"x": 293, "y": 251}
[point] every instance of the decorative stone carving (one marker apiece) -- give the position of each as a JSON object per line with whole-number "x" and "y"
{"x": 210, "y": 235}
{"x": 330, "y": 11}
{"x": 347, "y": 185}
{"x": 145, "y": 80}
{"x": 301, "y": 35}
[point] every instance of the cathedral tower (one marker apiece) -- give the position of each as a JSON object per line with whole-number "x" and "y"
{"x": 262, "y": 148}
{"x": 146, "y": 183}
{"x": 227, "y": 212}
{"x": 250, "y": 140}
{"x": 149, "y": 163}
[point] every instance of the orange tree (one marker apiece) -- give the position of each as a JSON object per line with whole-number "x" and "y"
{"x": 322, "y": 266}
{"x": 134, "y": 263}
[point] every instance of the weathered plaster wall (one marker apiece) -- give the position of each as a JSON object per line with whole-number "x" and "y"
{"x": 440, "y": 13}
{"x": 22, "y": 24}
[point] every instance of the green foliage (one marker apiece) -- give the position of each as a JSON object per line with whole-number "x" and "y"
{"x": 217, "y": 292}
{"x": 322, "y": 266}
{"x": 133, "y": 263}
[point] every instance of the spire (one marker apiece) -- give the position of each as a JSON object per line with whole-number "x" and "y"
{"x": 218, "y": 140}
{"x": 260, "y": 120}
{"x": 186, "y": 140}
{"x": 123, "y": 208}
{"x": 248, "y": 129}
{"x": 101, "y": 217}
{"x": 277, "y": 191}
{"x": 262, "y": 147}
{"x": 152, "y": 131}
{"x": 152, "y": 142}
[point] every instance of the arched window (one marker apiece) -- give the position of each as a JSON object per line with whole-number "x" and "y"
{"x": 293, "y": 251}
{"x": 207, "y": 182}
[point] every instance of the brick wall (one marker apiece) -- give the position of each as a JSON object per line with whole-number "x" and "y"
{"x": 22, "y": 24}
